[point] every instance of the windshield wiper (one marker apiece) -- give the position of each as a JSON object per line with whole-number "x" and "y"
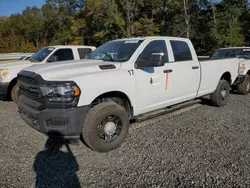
{"x": 110, "y": 57}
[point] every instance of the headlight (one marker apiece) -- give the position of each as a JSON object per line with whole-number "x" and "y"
{"x": 4, "y": 72}
{"x": 60, "y": 93}
{"x": 241, "y": 69}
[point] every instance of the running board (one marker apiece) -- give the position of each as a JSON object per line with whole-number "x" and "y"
{"x": 162, "y": 111}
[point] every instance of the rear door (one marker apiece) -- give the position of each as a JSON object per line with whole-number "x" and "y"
{"x": 186, "y": 70}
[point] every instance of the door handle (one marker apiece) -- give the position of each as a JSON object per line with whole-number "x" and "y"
{"x": 195, "y": 67}
{"x": 168, "y": 71}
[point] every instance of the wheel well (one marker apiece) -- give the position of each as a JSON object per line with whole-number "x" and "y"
{"x": 118, "y": 97}
{"x": 227, "y": 76}
{"x": 248, "y": 72}
{"x": 12, "y": 84}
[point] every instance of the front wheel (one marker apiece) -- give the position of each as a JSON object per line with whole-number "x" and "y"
{"x": 244, "y": 88}
{"x": 221, "y": 94}
{"x": 106, "y": 126}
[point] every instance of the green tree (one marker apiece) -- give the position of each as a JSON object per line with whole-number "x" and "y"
{"x": 225, "y": 26}
{"x": 103, "y": 20}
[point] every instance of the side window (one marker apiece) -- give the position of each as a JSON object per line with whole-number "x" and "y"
{"x": 181, "y": 51}
{"x": 62, "y": 55}
{"x": 83, "y": 52}
{"x": 156, "y": 46}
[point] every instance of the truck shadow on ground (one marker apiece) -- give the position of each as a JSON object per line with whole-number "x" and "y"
{"x": 54, "y": 167}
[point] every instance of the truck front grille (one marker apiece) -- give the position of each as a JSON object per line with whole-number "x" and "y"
{"x": 26, "y": 80}
{"x": 31, "y": 95}
{"x": 29, "y": 88}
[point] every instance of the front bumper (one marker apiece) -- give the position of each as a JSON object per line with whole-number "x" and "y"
{"x": 4, "y": 90}
{"x": 239, "y": 80}
{"x": 65, "y": 123}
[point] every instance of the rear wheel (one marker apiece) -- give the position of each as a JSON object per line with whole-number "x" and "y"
{"x": 244, "y": 88}
{"x": 106, "y": 126}
{"x": 221, "y": 94}
{"x": 14, "y": 93}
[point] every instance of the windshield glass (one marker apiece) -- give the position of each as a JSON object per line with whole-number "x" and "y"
{"x": 119, "y": 51}
{"x": 42, "y": 54}
{"x": 232, "y": 53}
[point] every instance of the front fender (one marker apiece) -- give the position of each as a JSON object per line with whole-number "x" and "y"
{"x": 93, "y": 85}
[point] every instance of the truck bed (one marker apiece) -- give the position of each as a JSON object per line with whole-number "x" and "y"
{"x": 211, "y": 73}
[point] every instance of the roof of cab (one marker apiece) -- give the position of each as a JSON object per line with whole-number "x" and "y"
{"x": 233, "y": 48}
{"x": 153, "y": 37}
{"x": 72, "y": 46}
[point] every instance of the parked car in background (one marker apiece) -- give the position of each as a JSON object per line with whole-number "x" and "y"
{"x": 50, "y": 54}
{"x": 242, "y": 85}
{"x": 24, "y": 58}
{"x": 232, "y": 52}
{"x": 122, "y": 80}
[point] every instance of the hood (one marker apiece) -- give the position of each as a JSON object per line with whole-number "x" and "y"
{"x": 69, "y": 69}
{"x": 14, "y": 64}
{"x": 244, "y": 61}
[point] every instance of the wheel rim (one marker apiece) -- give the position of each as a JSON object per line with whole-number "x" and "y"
{"x": 110, "y": 128}
{"x": 224, "y": 93}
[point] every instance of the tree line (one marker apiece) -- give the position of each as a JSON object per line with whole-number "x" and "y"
{"x": 210, "y": 24}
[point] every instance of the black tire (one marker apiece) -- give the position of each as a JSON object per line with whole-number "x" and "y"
{"x": 94, "y": 133}
{"x": 15, "y": 93}
{"x": 221, "y": 94}
{"x": 244, "y": 88}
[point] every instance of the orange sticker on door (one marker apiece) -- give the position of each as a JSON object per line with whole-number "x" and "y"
{"x": 166, "y": 82}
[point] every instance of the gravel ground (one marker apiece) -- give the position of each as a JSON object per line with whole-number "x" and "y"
{"x": 205, "y": 146}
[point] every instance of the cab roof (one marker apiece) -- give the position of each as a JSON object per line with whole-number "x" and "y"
{"x": 71, "y": 46}
{"x": 153, "y": 37}
{"x": 228, "y": 48}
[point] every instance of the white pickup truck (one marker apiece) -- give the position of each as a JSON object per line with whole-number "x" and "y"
{"x": 9, "y": 70}
{"x": 122, "y": 80}
{"x": 242, "y": 85}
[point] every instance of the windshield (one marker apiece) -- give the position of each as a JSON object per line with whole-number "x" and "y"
{"x": 42, "y": 54}
{"x": 119, "y": 51}
{"x": 232, "y": 53}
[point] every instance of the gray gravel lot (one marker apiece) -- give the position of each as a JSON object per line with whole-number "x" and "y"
{"x": 206, "y": 146}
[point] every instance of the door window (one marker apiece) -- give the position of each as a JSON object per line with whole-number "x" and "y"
{"x": 84, "y": 52}
{"x": 156, "y": 46}
{"x": 181, "y": 51}
{"x": 62, "y": 55}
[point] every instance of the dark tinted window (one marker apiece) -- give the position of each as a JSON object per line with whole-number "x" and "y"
{"x": 157, "y": 46}
{"x": 63, "y": 55}
{"x": 181, "y": 51}
{"x": 84, "y": 52}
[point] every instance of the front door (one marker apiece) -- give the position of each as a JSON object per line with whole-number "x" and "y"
{"x": 154, "y": 85}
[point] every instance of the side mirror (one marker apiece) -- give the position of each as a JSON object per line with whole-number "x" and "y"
{"x": 155, "y": 60}
{"x": 52, "y": 58}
